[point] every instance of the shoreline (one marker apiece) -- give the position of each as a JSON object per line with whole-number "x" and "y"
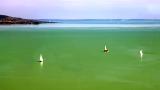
{"x": 9, "y": 20}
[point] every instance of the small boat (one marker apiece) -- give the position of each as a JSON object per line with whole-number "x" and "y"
{"x": 105, "y": 49}
{"x": 141, "y": 53}
{"x": 40, "y": 58}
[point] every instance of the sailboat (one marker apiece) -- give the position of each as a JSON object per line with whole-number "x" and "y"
{"x": 40, "y": 58}
{"x": 105, "y": 49}
{"x": 141, "y": 54}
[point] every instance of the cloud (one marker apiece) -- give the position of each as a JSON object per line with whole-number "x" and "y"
{"x": 81, "y": 8}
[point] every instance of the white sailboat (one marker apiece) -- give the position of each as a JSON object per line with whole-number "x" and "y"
{"x": 105, "y": 49}
{"x": 141, "y": 54}
{"x": 40, "y": 58}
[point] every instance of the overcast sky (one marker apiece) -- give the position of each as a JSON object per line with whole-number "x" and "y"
{"x": 82, "y": 9}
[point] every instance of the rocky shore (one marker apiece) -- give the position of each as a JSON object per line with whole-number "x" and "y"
{"x": 4, "y": 19}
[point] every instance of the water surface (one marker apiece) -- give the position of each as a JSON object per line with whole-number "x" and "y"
{"x": 74, "y": 58}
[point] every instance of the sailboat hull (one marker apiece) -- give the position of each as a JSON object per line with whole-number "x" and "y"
{"x": 106, "y": 51}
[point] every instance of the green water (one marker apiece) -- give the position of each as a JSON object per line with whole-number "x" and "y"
{"x": 74, "y": 59}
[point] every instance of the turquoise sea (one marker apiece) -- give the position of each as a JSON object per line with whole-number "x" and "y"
{"x": 74, "y": 58}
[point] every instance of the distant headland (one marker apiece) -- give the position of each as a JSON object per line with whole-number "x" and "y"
{"x": 5, "y": 20}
